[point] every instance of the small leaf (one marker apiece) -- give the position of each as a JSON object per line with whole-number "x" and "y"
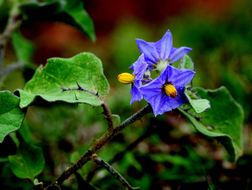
{"x": 186, "y": 63}
{"x": 24, "y": 48}
{"x": 11, "y": 116}
{"x": 71, "y": 12}
{"x": 61, "y": 79}
{"x": 222, "y": 121}
{"x": 28, "y": 162}
{"x": 199, "y": 105}
{"x": 116, "y": 119}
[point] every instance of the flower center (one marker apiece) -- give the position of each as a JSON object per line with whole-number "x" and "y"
{"x": 161, "y": 65}
{"x": 125, "y": 78}
{"x": 170, "y": 90}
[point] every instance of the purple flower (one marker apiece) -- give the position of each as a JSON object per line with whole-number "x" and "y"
{"x": 161, "y": 53}
{"x": 139, "y": 68}
{"x": 136, "y": 79}
{"x": 166, "y": 92}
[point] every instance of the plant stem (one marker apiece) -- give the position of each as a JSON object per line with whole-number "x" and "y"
{"x": 148, "y": 132}
{"x": 112, "y": 171}
{"x": 104, "y": 139}
{"x": 13, "y": 23}
{"x": 108, "y": 116}
{"x": 12, "y": 67}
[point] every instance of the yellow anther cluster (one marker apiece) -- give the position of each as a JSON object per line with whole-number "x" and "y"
{"x": 170, "y": 90}
{"x": 125, "y": 78}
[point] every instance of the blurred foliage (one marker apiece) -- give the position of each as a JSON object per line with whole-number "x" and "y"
{"x": 161, "y": 153}
{"x": 71, "y": 12}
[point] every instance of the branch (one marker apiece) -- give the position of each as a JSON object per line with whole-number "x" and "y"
{"x": 12, "y": 67}
{"x": 13, "y": 23}
{"x": 112, "y": 171}
{"x": 106, "y": 111}
{"x": 108, "y": 116}
{"x": 148, "y": 132}
{"x": 104, "y": 139}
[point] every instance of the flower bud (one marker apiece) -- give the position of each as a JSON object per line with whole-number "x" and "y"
{"x": 170, "y": 90}
{"x": 125, "y": 78}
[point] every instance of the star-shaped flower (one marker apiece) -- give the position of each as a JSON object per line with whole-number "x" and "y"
{"x": 161, "y": 53}
{"x": 136, "y": 79}
{"x": 166, "y": 92}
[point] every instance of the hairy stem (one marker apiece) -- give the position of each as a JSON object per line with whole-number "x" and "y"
{"x": 99, "y": 143}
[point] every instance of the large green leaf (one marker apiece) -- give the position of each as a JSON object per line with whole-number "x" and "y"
{"x": 59, "y": 80}
{"x": 71, "y": 12}
{"x": 28, "y": 162}
{"x": 11, "y": 116}
{"x": 199, "y": 105}
{"x": 222, "y": 121}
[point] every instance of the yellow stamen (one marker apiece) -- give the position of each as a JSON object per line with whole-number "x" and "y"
{"x": 125, "y": 78}
{"x": 170, "y": 90}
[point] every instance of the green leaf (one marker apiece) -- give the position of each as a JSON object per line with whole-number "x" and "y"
{"x": 80, "y": 17}
{"x": 70, "y": 12}
{"x": 223, "y": 121}
{"x": 28, "y": 162}
{"x": 116, "y": 119}
{"x": 24, "y": 48}
{"x": 199, "y": 105}
{"x": 59, "y": 80}
{"x": 11, "y": 116}
{"x": 186, "y": 63}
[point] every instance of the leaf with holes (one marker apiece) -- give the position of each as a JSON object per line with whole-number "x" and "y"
{"x": 222, "y": 121}
{"x": 78, "y": 79}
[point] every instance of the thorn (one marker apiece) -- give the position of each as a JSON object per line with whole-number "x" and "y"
{"x": 64, "y": 89}
{"x": 75, "y": 96}
{"x": 79, "y": 86}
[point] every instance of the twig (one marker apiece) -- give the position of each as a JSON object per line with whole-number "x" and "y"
{"x": 108, "y": 116}
{"x": 105, "y": 138}
{"x": 12, "y": 67}
{"x": 112, "y": 171}
{"x": 148, "y": 132}
{"x": 13, "y": 23}
{"x": 106, "y": 111}
{"x": 82, "y": 184}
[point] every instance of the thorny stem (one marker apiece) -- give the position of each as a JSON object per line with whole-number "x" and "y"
{"x": 112, "y": 171}
{"x": 104, "y": 139}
